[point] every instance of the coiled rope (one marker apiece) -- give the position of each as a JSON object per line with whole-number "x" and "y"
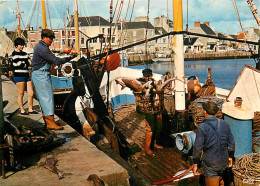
{"x": 247, "y": 168}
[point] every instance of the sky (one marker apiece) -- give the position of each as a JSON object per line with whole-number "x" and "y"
{"x": 220, "y": 13}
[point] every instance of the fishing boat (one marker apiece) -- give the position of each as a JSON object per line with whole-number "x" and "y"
{"x": 91, "y": 100}
{"x": 97, "y": 101}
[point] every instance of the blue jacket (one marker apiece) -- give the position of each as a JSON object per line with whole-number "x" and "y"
{"x": 42, "y": 55}
{"x": 215, "y": 152}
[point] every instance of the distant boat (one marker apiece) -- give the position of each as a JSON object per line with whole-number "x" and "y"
{"x": 163, "y": 59}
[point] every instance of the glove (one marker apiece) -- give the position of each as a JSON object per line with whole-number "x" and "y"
{"x": 72, "y": 57}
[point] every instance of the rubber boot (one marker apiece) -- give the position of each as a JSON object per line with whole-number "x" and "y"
{"x": 148, "y": 140}
{"x": 50, "y": 123}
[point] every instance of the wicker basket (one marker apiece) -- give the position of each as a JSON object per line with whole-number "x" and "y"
{"x": 152, "y": 104}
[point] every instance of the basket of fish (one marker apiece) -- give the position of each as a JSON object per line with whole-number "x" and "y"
{"x": 152, "y": 104}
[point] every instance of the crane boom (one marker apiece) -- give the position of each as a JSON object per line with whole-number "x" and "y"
{"x": 253, "y": 10}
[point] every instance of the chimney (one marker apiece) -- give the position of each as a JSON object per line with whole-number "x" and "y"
{"x": 206, "y": 23}
{"x": 197, "y": 24}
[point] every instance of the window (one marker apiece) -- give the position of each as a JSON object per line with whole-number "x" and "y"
{"x": 32, "y": 32}
{"x": 73, "y": 33}
{"x": 56, "y": 31}
{"x": 164, "y": 40}
{"x": 113, "y": 40}
{"x": 82, "y": 40}
{"x": 103, "y": 30}
{"x": 63, "y": 33}
{"x": 32, "y": 40}
{"x": 56, "y": 40}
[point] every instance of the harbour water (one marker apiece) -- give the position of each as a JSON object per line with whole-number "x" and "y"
{"x": 224, "y": 72}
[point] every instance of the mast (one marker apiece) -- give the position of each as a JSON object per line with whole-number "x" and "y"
{"x": 179, "y": 56}
{"x": 253, "y": 10}
{"x": 44, "y": 20}
{"x": 76, "y": 24}
{"x": 18, "y": 16}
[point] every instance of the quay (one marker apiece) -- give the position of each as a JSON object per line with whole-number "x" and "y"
{"x": 137, "y": 59}
{"x": 77, "y": 157}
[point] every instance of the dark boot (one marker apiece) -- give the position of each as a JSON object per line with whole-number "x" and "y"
{"x": 50, "y": 123}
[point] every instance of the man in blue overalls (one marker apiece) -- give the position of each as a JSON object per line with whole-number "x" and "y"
{"x": 215, "y": 143}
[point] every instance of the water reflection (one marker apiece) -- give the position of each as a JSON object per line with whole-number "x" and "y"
{"x": 224, "y": 72}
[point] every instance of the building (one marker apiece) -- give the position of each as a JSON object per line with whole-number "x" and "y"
{"x": 162, "y": 25}
{"x": 34, "y": 36}
{"x": 6, "y": 42}
{"x": 90, "y": 27}
{"x": 138, "y": 30}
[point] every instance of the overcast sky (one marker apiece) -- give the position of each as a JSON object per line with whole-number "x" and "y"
{"x": 220, "y": 13}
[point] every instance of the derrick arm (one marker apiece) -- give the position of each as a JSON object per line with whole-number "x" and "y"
{"x": 253, "y": 10}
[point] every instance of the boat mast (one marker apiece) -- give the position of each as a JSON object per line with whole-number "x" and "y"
{"x": 44, "y": 20}
{"x": 179, "y": 56}
{"x": 18, "y": 16}
{"x": 76, "y": 24}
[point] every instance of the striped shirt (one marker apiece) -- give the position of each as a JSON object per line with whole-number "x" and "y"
{"x": 20, "y": 63}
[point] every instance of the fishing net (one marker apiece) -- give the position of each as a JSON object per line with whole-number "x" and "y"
{"x": 152, "y": 104}
{"x": 247, "y": 168}
{"x": 195, "y": 112}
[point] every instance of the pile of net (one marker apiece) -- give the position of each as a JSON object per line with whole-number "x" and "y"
{"x": 247, "y": 168}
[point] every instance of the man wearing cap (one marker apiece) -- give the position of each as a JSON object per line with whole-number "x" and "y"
{"x": 215, "y": 143}
{"x": 153, "y": 121}
{"x": 41, "y": 62}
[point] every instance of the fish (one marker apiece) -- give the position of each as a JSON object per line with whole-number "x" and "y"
{"x": 193, "y": 85}
{"x": 147, "y": 88}
{"x": 50, "y": 164}
{"x": 96, "y": 180}
{"x": 131, "y": 83}
{"x": 121, "y": 83}
{"x": 160, "y": 87}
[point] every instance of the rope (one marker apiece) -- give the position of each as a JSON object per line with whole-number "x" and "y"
{"x": 174, "y": 178}
{"x": 247, "y": 168}
{"x": 49, "y": 14}
{"x": 132, "y": 11}
{"x": 123, "y": 26}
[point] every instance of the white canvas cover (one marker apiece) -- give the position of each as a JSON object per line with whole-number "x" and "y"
{"x": 248, "y": 88}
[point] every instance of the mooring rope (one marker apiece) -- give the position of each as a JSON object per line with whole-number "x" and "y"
{"x": 247, "y": 168}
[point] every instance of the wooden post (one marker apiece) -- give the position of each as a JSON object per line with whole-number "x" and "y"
{"x": 1, "y": 110}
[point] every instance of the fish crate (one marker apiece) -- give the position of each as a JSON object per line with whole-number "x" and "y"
{"x": 152, "y": 104}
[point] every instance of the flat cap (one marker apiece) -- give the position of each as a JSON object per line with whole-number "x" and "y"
{"x": 47, "y": 33}
{"x": 147, "y": 72}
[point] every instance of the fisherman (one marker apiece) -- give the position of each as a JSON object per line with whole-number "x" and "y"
{"x": 41, "y": 76}
{"x": 215, "y": 143}
{"x": 153, "y": 121}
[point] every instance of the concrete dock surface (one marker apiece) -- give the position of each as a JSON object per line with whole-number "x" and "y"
{"x": 77, "y": 157}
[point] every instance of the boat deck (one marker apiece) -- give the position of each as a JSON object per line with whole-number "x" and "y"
{"x": 166, "y": 162}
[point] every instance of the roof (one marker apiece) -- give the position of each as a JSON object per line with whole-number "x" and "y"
{"x": 190, "y": 40}
{"x": 233, "y": 36}
{"x": 158, "y": 29}
{"x": 221, "y": 35}
{"x": 137, "y": 25}
{"x": 241, "y": 36}
{"x": 257, "y": 31}
{"x": 90, "y": 21}
{"x": 207, "y": 29}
